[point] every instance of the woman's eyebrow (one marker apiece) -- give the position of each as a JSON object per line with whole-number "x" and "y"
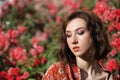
{"x": 77, "y": 29}
{"x": 80, "y": 28}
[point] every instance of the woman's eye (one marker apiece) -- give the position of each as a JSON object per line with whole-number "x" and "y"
{"x": 80, "y": 32}
{"x": 68, "y": 35}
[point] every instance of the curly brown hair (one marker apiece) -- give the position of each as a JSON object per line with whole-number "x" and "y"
{"x": 99, "y": 37}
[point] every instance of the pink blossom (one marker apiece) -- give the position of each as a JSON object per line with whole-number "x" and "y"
{"x": 19, "y": 78}
{"x": 52, "y": 8}
{"x": 34, "y": 42}
{"x": 21, "y": 29}
{"x": 43, "y": 60}
{"x": 58, "y": 19}
{"x": 6, "y": 7}
{"x": 76, "y": 5}
{"x": 117, "y": 25}
{"x": 44, "y": 36}
{"x": 13, "y": 71}
{"x": 108, "y": 16}
{"x": 100, "y": 8}
{"x": 33, "y": 52}
{"x": 38, "y": 76}
{"x": 118, "y": 48}
{"x": 113, "y": 52}
{"x": 12, "y": 2}
{"x": 28, "y": 1}
{"x": 71, "y": 5}
{"x": 112, "y": 65}
{"x": 36, "y": 62}
{"x": 18, "y": 53}
{"x": 13, "y": 33}
{"x": 117, "y": 40}
{"x": 21, "y": 5}
{"x": 40, "y": 49}
{"x": 25, "y": 75}
{"x": 117, "y": 12}
{"x": 113, "y": 44}
{"x": 68, "y": 3}
{"x": 114, "y": 36}
{"x": 3, "y": 73}
{"x": 14, "y": 41}
{"x": 1, "y": 12}
{"x": 110, "y": 28}
{"x": 1, "y": 52}
{"x": 8, "y": 77}
{"x": 4, "y": 42}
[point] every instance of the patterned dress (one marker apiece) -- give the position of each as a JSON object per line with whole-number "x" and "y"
{"x": 59, "y": 72}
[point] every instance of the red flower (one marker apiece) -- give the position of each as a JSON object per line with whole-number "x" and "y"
{"x": 112, "y": 65}
{"x": 12, "y": 2}
{"x": 68, "y": 3}
{"x": 21, "y": 29}
{"x": 18, "y": 53}
{"x": 3, "y": 73}
{"x": 100, "y": 8}
{"x": 43, "y": 60}
{"x": 117, "y": 12}
{"x": 1, "y": 12}
{"x": 36, "y": 62}
{"x": 108, "y": 16}
{"x": 113, "y": 44}
{"x": 14, "y": 41}
{"x": 19, "y": 78}
{"x": 8, "y": 77}
{"x": 117, "y": 26}
{"x": 33, "y": 52}
{"x": 117, "y": 41}
{"x": 71, "y": 5}
{"x": 34, "y": 42}
{"x": 40, "y": 49}
{"x": 13, "y": 33}
{"x": 25, "y": 75}
{"x": 110, "y": 28}
{"x": 14, "y": 71}
{"x": 21, "y": 5}
{"x": 6, "y": 7}
{"x": 113, "y": 52}
{"x": 44, "y": 36}
{"x": 52, "y": 8}
{"x": 4, "y": 42}
{"x": 38, "y": 76}
{"x": 58, "y": 19}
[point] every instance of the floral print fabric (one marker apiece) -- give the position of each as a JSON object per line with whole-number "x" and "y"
{"x": 59, "y": 72}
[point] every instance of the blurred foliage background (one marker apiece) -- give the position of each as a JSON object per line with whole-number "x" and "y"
{"x": 29, "y": 33}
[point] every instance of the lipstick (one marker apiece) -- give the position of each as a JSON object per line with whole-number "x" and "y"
{"x": 76, "y": 48}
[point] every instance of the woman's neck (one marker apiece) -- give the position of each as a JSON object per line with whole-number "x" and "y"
{"x": 88, "y": 66}
{"x": 90, "y": 69}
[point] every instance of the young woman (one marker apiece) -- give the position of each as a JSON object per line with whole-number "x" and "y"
{"x": 83, "y": 42}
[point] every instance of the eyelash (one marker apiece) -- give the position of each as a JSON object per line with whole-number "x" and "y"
{"x": 79, "y": 33}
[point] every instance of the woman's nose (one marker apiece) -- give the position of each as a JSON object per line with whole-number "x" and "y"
{"x": 74, "y": 40}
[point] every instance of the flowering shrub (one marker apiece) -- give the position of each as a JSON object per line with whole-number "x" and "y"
{"x": 13, "y": 73}
{"x": 109, "y": 13}
{"x": 29, "y": 32}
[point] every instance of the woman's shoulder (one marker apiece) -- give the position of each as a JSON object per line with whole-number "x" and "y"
{"x": 55, "y": 71}
{"x": 56, "y": 65}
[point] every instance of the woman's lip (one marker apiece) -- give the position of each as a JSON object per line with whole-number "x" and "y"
{"x": 76, "y": 48}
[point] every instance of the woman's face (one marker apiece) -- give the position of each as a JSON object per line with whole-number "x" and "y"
{"x": 78, "y": 37}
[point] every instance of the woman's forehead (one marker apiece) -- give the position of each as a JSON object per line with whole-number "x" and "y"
{"x": 75, "y": 24}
